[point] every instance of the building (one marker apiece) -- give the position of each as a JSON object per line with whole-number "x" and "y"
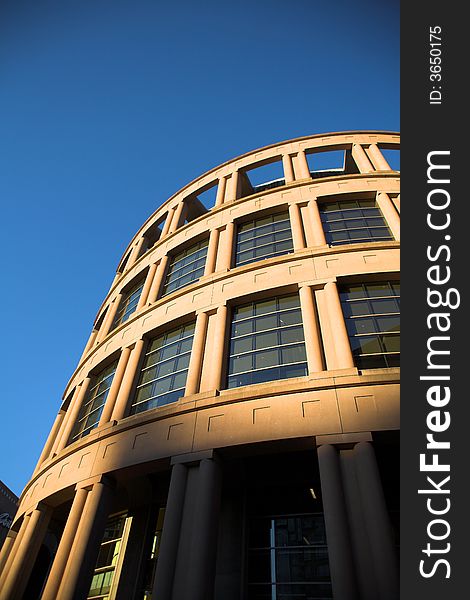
{"x": 8, "y": 505}
{"x": 231, "y": 430}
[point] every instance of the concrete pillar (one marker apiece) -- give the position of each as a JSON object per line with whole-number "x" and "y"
{"x": 157, "y": 283}
{"x": 362, "y": 553}
{"x": 197, "y": 354}
{"x": 377, "y": 158}
{"x": 115, "y": 386}
{"x": 201, "y": 569}
{"x": 109, "y": 319}
{"x": 378, "y": 527}
{"x": 288, "y": 168}
{"x": 50, "y": 440}
{"x": 220, "y": 197}
{"x": 166, "y": 226}
{"x": 390, "y": 214}
{"x": 363, "y": 163}
{"x": 317, "y": 226}
{"x": 165, "y": 571}
{"x": 212, "y": 252}
{"x": 27, "y": 548}
{"x": 13, "y": 549}
{"x": 84, "y": 551}
{"x": 177, "y": 216}
{"x": 337, "y": 533}
{"x": 90, "y": 343}
{"x": 298, "y": 236}
{"x": 312, "y": 333}
{"x": 6, "y": 549}
{"x": 233, "y": 187}
{"x": 340, "y": 339}
{"x": 216, "y": 352}
{"x": 396, "y": 203}
{"x": 122, "y": 399}
{"x": 147, "y": 286}
{"x": 302, "y": 170}
{"x": 72, "y": 414}
{"x": 136, "y": 251}
{"x": 225, "y": 254}
{"x": 63, "y": 551}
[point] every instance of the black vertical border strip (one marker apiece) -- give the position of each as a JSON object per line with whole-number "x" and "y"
{"x": 426, "y": 128}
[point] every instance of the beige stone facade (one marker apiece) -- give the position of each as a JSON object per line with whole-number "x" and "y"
{"x": 183, "y": 433}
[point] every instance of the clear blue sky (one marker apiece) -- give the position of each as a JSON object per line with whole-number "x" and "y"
{"x": 99, "y": 101}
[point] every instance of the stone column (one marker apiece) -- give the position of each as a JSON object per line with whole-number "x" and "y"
{"x": 157, "y": 283}
{"x": 396, "y": 203}
{"x": 340, "y": 339}
{"x": 366, "y": 579}
{"x": 288, "y": 168}
{"x": 298, "y": 237}
{"x": 363, "y": 163}
{"x": 6, "y": 549}
{"x": 212, "y": 252}
{"x": 27, "y": 548}
{"x": 337, "y": 533}
{"x": 220, "y": 197}
{"x": 146, "y": 287}
{"x": 197, "y": 354}
{"x": 90, "y": 343}
{"x": 50, "y": 440}
{"x": 8, "y": 552}
{"x": 122, "y": 399}
{"x": 63, "y": 551}
{"x": 377, "y": 521}
{"x": 177, "y": 216}
{"x": 225, "y": 253}
{"x": 200, "y": 576}
{"x": 302, "y": 168}
{"x": 217, "y": 350}
{"x": 165, "y": 571}
{"x": 166, "y": 226}
{"x": 109, "y": 319}
{"x": 317, "y": 226}
{"x": 72, "y": 415}
{"x": 115, "y": 386}
{"x": 377, "y": 158}
{"x": 233, "y": 186}
{"x": 390, "y": 214}
{"x": 311, "y": 330}
{"x": 84, "y": 551}
{"x": 136, "y": 251}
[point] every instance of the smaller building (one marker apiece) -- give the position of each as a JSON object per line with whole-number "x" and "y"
{"x": 8, "y": 508}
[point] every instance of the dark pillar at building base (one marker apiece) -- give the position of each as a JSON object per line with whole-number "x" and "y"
{"x": 337, "y": 530}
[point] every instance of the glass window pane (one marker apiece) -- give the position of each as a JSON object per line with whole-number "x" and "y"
{"x": 365, "y": 333}
{"x": 169, "y": 376}
{"x": 266, "y": 340}
{"x": 261, "y": 361}
{"x": 186, "y": 267}
{"x": 270, "y": 236}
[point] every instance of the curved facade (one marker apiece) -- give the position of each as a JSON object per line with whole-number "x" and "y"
{"x": 231, "y": 430}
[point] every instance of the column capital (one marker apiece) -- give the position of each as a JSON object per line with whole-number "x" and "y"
{"x": 343, "y": 439}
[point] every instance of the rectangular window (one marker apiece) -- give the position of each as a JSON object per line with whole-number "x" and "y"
{"x": 372, "y": 313}
{"x": 288, "y": 558}
{"x": 186, "y": 267}
{"x": 350, "y": 221}
{"x": 128, "y": 305}
{"x": 94, "y": 402}
{"x": 267, "y": 342}
{"x": 110, "y": 556}
{"x": 263, "y": 238}
{"x": 165, "y": 368}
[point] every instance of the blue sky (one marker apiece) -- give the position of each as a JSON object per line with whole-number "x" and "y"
{"x": 110, "y": 106}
